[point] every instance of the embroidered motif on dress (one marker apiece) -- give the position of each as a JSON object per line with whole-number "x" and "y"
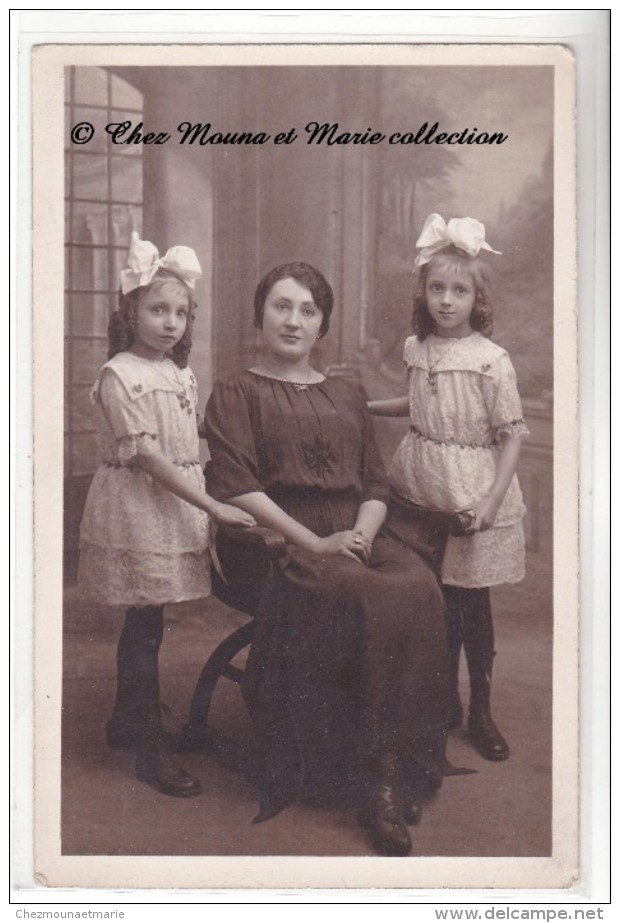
{"x": 318, "y": 455}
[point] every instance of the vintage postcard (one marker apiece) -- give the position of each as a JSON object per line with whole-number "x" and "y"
{"x": 334, "y": 157}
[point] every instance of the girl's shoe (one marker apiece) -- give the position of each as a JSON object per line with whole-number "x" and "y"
{"x": 486, "y": 737}
{"x": 162, "y": 771}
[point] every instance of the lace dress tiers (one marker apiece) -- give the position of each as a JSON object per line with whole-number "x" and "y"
{"x": 462, "y": 397}
{"x": 139, "y": 543}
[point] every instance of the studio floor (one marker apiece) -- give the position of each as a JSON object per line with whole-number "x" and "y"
{"x": 504, "y": 809}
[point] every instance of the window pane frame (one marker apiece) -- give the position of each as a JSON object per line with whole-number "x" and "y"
{"x": 99, "y": 240}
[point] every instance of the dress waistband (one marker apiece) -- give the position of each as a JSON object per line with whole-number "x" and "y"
{"x": 460, "y": 445}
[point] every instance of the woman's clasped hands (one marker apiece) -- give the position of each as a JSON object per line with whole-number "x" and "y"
{"x": 349, "y": 543}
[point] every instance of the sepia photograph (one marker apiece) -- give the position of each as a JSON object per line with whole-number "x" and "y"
{"x": 309, "y": 494}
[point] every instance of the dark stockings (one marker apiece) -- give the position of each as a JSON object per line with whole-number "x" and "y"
{"x": 470, "y": 624}
{"x": 137, "y": 665}
{"x": 136, "y": 720}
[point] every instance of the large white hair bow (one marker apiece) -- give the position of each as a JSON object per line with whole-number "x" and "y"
{"x": 465, "y": 233}
{"x": 143, "y": 262}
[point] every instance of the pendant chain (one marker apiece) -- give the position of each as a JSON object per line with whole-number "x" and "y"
{"x": 431, "y": 374}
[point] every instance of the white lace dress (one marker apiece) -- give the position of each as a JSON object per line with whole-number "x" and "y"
{"x": 139, "y": 543}
{"x": 462, "y": 397}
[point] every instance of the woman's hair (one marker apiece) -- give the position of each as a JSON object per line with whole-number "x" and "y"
{"x": 481, "y": 318}
{"x": 307, "y": 276}
{"x": 121, "y": 327}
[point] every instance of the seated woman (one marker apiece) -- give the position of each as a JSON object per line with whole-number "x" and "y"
{"x": 346, "y": 678}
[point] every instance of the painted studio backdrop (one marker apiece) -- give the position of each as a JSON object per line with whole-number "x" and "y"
{"x": 354, "y": 210}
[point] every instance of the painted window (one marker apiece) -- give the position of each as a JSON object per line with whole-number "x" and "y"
{"x": 103, "y": 204}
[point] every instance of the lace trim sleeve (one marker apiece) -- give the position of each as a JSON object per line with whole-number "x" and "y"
{"x": 514, "y": 428}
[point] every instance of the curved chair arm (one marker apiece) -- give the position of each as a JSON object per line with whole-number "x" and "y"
{"x": 260, "y": 541}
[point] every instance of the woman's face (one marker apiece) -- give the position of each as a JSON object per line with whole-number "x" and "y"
{"x": 291, "y": 320}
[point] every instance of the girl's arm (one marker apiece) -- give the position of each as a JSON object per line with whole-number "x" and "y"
{"x": 487, "y": 507}
{"x": 268, "y": 513}
{"x": 370, "y": 517}
{"x": 395, "y": 407}
{"x": 161, "y": 469}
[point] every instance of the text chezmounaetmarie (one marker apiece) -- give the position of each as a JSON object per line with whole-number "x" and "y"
{"x": 317, "y": 133}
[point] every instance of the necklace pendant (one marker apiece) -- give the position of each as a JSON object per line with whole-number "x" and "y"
{"x": 431, "y": 378}
{"x": 184, "y": 401}
{"x": 299, "y": 387}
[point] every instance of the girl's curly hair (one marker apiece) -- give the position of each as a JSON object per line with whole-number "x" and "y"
{"x": 121, "y": 336}
{"x": 481, "y": 318}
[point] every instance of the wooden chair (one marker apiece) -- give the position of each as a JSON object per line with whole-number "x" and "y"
{"x": 244, "y": 557}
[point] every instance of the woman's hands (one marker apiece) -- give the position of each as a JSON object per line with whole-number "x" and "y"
{"x": 350, "y": 544}
{"x": 228, "y": 515}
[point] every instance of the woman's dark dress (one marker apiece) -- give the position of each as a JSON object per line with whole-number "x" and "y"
{"x": 348, "y": 660}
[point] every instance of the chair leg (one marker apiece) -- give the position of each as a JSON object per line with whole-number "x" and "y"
{"x": 195, "y": 731}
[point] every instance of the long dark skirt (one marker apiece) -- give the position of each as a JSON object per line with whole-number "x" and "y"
{"x": 348, "y": 661}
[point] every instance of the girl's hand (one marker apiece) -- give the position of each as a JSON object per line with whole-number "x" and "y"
{"x": 486, "y": 511}
{"x": 349, "y": 544}
{"x": 228, "y": 515}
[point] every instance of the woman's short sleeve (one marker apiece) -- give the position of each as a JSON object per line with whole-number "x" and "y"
{"x": 132, "y": 420}
{"x": 502, "y": 399}
{"x": 233, "y": 469}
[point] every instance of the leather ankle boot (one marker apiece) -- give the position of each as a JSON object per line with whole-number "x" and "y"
{"x": 162, "y": 772}
{"x": 412, "y": 813}
{"x": 485, "y": 735}
{"x": 159, "y": 769}
{"x": 478, "y": 640}
{"x": 383, "y": 816}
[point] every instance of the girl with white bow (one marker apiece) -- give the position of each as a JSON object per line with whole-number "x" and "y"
{"x": 461, "y": 452}
{"x": 143, "y": 537}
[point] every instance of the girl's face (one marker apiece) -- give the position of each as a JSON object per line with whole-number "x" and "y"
{"x": 291, "y": 320}
{"x": 161, "y": 318}
{"x": 450, "y": 299}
